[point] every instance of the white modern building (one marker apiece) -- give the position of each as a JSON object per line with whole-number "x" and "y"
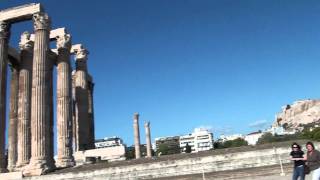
{"x": 253, "y": 138}
{"x": 279, "y": 130}
{"x": 108, "y": 142}
{"x": 200, "y": 140}
{"x": 109, "y": 148}
{"x": 224, "y": 138}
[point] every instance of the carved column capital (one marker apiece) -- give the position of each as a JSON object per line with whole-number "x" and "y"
{"x": 147, "y": 124}
{"x": 25, "y": 42}
{"x": 41, "y": 21}
{"x": 81, "y": 57}
{"x": 64, "y": 42}
{"x": 82, "y": 54}
{"x": 4, "y": 30}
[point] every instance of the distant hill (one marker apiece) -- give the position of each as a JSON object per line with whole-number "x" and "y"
{"x": 299, "y": 113}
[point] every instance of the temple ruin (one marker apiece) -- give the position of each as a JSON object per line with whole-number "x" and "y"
{"x": 31, "y": 131}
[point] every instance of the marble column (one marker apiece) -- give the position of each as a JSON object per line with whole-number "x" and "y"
{"x": 75, "y": 131}
{"x": 91, "y": 110}
{"x": 41, "y": 162}
{"x": 4, "y": 39}
{"x": 50, "y": 135}
{"x": 82, "y": 104}
{"x": 148, "y": 139}
{"x": 64, "y": 111}
{"x": 13, "y": 119}
{"x": 24, "y": 100}
{"x": 136, "y": 135}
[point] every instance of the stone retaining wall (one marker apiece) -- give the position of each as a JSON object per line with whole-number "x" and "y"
{"x": 184, "y": 166}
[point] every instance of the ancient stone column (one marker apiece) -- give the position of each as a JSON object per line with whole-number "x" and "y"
{"x": 13, "y": 119}
{"x": 136, "y": 135}
{"x": 50, "y": 135}
{"x": 41, "y": 162}
{"x": 91, "y": 108}
{"x": 24, "y": 102}
{"x": 64, "y": 108}
{"x": 148, "y": 139}
{"x": 81, "y": 100}
{"x": 74, "y": 115}
{"x": 4, "y": 39}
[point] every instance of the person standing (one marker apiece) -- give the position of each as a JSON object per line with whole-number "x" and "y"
{"x": 313, "y": 160}
{"x": 299, "y": 164}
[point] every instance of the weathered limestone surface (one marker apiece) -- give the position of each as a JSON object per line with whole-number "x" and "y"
{"x": 20, "y": 13}
{"x": 41, "y": 160}
{"x": 75, "y": 128}
{"x": 30, "y": 137}
{"x": 13, "y": 119}
{"x": 300, "y": 112}
{"x": 148, "y": 139}
{"x": 91, "y": 108}
{"x": 83, "y": 139}
{"x": 136, "y": 135}
{"x": 64, "y": 107}
{"x": 24, "y": 102}
{"x": 4, "y": 38}
{"x": 14, "y": 56}
{"x": 54, "y": 34}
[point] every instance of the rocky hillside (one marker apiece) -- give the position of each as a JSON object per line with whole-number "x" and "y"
{"x": 299, "y": 113}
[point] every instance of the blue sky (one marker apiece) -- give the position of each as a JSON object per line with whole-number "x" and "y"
{"x": 189, "y": 63}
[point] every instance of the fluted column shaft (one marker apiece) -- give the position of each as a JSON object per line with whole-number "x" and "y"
{"x": 13, "y": 119}
{"x": 82, "y": 104}
{"x": 64, "y": 108}
{"x": 4, "y": 38}
{"x": 136, "y": 135}
{"x": 41, "y": 160}
{"x": 74, "y": 115}
{"x": 148, "y": 139}
{"x": 91, "y": 110}
{"x": 24, "y": 102}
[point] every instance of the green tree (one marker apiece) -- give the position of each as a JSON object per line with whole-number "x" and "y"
{"x": 266, "y": 138}
{"x": 269, "y": 138}
{"x": 165, "y": 149}
{"x": 235, "y": 143}
{"x": 316, "y": 136}
{"x": 308, "y": 134}
{"x": 130, "y": 153}
{"x": 231, "y": 143}
{"x": 218, "y": 145}
{"x": 239, "y": 142}
{"x": 188, "y": 148}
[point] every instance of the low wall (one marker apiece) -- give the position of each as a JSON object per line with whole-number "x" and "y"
{"x": 116, "y": 153}
{"x": 184, "y": 166}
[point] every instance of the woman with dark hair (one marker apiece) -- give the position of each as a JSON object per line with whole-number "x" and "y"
{"x": 313, "y": 160}
{"x": 297, "y": 156}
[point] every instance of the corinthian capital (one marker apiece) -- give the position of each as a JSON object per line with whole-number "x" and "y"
{"x": 147, "y": 124}
{"x": 4, "y": 29}
{"x": 41, "y": 21}
{"x": 82, "y": 54}
{"x": 64, "y": 42}
{"x": 25, "y": 41}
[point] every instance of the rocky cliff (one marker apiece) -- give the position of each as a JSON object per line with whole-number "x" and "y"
{"x": 299, "y": 113}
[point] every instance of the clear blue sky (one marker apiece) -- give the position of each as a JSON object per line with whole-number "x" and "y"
{"x": 183, "y": 64}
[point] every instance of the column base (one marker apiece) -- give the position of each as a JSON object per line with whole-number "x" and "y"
{"x": 65, "y": 162}
{"x": 21, "y": 166}
{"x": 11, "y": 168}
{"x": 39, "y": 167}
{"x": 3, "y": 170}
